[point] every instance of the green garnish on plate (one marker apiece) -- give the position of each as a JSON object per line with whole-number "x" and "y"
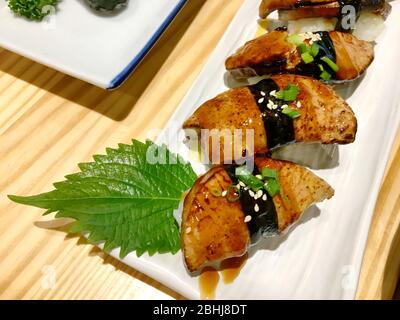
{"x": 122, "y": 199}
{"x": 34, "y": 10}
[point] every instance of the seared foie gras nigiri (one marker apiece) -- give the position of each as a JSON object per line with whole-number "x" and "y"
{"x": 222, "y": 216}
{"x": 329, "y": 56}
{"x": 320, "y": 115}
{"x": 299, "y": 9}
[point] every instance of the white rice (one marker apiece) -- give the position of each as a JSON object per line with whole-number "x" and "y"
{"x": 368, "y": 27}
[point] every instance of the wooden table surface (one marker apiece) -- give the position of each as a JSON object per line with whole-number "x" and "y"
{"x": 49, "y": 122}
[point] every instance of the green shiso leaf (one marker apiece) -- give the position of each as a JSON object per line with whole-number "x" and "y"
{"x": 123, "y": 199}
{"x": 32, "y": 9}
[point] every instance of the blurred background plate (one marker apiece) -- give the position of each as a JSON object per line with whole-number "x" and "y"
{"x": 100, "y": 49}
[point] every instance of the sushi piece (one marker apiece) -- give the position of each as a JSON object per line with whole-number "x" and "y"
{"x": 299, "y": 9}
{"x": 278, "y": 111}
{"x": 229, "y": 209}
{"x": 329, "y": 56}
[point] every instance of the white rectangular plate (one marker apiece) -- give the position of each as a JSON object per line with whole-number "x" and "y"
{"x": 321, "y": 257}
{"x": 99, "y": 49}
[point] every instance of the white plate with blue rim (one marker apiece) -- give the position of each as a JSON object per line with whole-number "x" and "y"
{"x": 98, "y": 48}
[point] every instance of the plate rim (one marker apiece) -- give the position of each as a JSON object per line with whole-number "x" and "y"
{"x": 106, "y": 84}
{"x": 119, "y": 79}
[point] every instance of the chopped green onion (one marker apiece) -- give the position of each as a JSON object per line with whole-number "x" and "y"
{"x": 307, "y": 57}
{"x": 288, "y": 94}
{"x": 304, "y": 48}
{"x": 242, "y": 171}
{"x": 314, "y": 49}
{"x": 330, "y": 63}
{"x": 295, "y": 39}
{"x": 321, "y": 67}
{"x": 325, "y": 76}
{"x": 248, "y": 179}
{"x": 273, "y": 187}
{"x": 269, "y": 173}
{"x": 279, "y": 95}
{"x": 292, "y": 113}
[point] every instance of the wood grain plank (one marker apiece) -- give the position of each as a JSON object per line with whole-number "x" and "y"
{"x": 381, "y": 266}
{"x": 49, "y": 122}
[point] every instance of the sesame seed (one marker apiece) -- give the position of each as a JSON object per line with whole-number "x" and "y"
{"x": 273, "y": 93}
{"x": 262, "y": 93}
{"x": 261, "y": 100}
{"x": 285, "y": 106}
{"x": 251, "y": 193}
{"x": 264, "y": 197}
{"x": 259, "y": 193}
{"x": 224, "y": 193}
{"x": 242, "y": 184}
{"x": 298, "y": 104}
{"x": 188, "y": 230}
{"x": 258, "y": 176}
{"x": 247, "y": 219}
{"x": 256, "y": 208}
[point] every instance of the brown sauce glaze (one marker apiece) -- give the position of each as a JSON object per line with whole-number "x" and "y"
{"x": 231, "y": 268}
{"x": 208, "y": 282}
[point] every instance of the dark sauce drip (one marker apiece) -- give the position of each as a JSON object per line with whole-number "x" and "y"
{"x": 343, "y": 18}
{"x": 278, "y": 126}
{"x": 326, "y": 49}
{"x": 265, "y": 221}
